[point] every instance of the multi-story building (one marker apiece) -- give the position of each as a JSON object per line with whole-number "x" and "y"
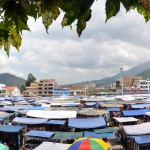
{"x": 31, "y": 91}
{"x": 128, "y": 80}
{"x": 46, "y": 87}
{"x": 144, "y": 85}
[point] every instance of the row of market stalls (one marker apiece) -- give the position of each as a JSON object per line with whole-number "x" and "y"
{"x": 53, "y": 122}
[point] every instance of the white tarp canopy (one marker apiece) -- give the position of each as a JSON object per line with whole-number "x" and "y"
{"x": 140, "y": 129}
{"x": 52, "y": 146}
{"x": 52, "y": 114}
{"x": 125, "y": 119}
{"x": 147, "y": 113}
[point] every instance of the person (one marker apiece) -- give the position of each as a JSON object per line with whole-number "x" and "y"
{"x": 6, "y": 145}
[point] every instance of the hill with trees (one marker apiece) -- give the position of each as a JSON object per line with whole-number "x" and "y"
{"x": 11, "y": 80}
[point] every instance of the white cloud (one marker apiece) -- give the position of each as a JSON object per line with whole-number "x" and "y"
{"x": 101, "y": 50}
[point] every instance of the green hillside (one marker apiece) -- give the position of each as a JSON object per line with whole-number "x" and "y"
{"x": 11, "y": 80}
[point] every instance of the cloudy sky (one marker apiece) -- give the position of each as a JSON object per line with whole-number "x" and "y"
{"x": 100, "y": 52}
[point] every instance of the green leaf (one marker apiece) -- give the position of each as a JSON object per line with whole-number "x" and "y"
{"x": 47, "y": 20}
{"x": 112, "y": 8}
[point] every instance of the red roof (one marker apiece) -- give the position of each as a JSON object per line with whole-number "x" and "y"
{"x": 10, "y": 88}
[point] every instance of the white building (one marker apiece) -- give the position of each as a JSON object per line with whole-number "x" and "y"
{"x": 2, "y": 90}
{"x": 144, "y": 85}
{"x": 12, "y": 91}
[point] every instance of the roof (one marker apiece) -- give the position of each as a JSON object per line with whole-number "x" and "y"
{"x": 35, "y": 108}
{"x": 22, "y": 120}
{"x": 36, "y": 133}
{"x": 67, "y": 135}
{"x": 52, "y": 114}
{"x": 12, "y": 108}
{"x": 86, "y": 123}
{"x": 57, "y": 122}
{"x": 113, "y": 109}
{"x": 95, "y": 135}
{"x": 140, "y": 105}
{"x": 139, "y": 129}
{"x": 10, "y": 88}
{"x": 135, "y": 112}
{"x": 144, "y": 139}
{"x": 11, "y": 129}
{"x": 105, "y": 130}
{"x": 126, "y": 119}
{"x": 53, "y": 146}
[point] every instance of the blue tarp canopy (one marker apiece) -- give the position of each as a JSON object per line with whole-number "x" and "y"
{"x": 17, "y": 98}
{"x": 35, "y": 108}
{"x": 144, "y": 139}
{"x": 113, "y": 109}
{"x": 22, "y": 120}
{"x": 12, "y": 108}
{"x": 11, "y": 129}
{"x": 58, "y": 122}
{"x": 86, "y": 123}
{"x": 134, "y": 112}
{"x": 90, "y": 103}
{"x": 140, "y": 105}
{"x": 36, "y": 133}
{"x": 95, "y": 135}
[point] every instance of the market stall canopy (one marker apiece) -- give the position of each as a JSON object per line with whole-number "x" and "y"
{"x": 35, "y": 108}
{"x": 12, "y": 108}
{"x": 35, "y": 133}
{"x": 95, "y": 135}
{"x": 67, "y": 135}
{"x": 105, "y": 130}
{"x": 135, "y": 112}
{"x": 139, "y": 129}
{"x": 11, "y": 129}
{"x": 3, "y": 114}
{"x": 126, "y": 119}
{"x": 87, "y": 123}
{"x": 52, "y": 114}
{"x": 140, "y": 106}
{"x": 52, "y": 146}
{"x": 147, "y": 113}
{"x": 111, "y": 105}
{"x": 22, "y": 120}
{"x": 57, "y": 122}
{"x": 144, "y": 139}
{"x": 90, "y": 103}
{"x": 113, "y": 109}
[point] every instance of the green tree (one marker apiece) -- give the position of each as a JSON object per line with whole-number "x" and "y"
{"x": 30, "y": 79}
{"x": 14, "y": 15}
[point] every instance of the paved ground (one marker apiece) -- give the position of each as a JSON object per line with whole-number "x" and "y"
{"x": 115, "y": 145}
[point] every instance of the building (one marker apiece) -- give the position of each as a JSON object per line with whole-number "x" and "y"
{"x": 61, "y": 92}
{"x": 128, "y": 80}
{"x": 31, "y": 91}
{"x": 143, "y": 85}
{"x": 12, "y": 91}
{"x": 2, "y": 90}
{"x": 46, "y": 87}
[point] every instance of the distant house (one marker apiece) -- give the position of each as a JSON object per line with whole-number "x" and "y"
{"x": 12, "y": 91}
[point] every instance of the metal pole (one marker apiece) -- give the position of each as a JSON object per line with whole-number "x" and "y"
{"x": 121, "y": 69}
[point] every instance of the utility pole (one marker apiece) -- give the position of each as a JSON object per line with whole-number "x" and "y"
{"x": 121, "y": 72}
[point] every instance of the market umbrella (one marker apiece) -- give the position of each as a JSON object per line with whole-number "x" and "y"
{"x": 3, "y": 147}
{"x": 89, "y": 144}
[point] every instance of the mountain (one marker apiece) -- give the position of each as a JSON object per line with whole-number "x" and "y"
{"x": 145, "y": 74}
{"x": 140, "y": 70}
{"x": 11, "y": 80}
